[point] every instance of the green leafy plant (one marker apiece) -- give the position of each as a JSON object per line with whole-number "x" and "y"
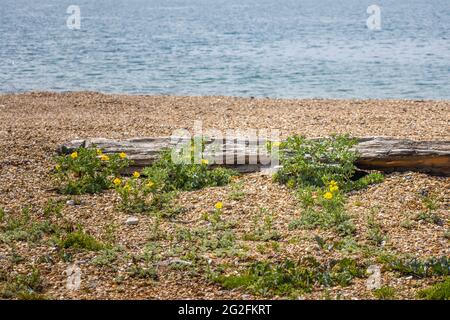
{"x": 384, "y": 293}
{"x": 322, "y": 170}
{"x": 24, "y": 287}
{"x": 23, "y": 228}
{"x": 237, "y": 192}
{"x": 188, "y": 175}
{"x": 316, "y": 162}
{"x": 263, "y": 229}
{"x": 439, "y": 291}
{"x": 288, "y": 277}
{"x": 418, "y": 268}
{"x": 375, "y": 232}
{"x": 80, "y": 240}
{"x": 87, "y": 170}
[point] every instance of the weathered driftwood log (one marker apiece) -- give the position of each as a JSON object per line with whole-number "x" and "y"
{"x": 385, "y": 154}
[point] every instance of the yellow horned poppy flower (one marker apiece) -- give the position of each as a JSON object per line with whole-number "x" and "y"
{"x": 333, "y": 183}
{"x": 219, "y": 205}
{"x": 334, "y": 188}
{"x": 99, "y": 152}
{"x": 122, "y": 155}
{"x": 205, "y": 161}
{"x": 136, "y": 174}
{"x": 104, "y": 158}
{"x": 74, "y": 155}
{"x": 117, "y": 181}
{"x": 150, "y": 184}
{"x": 276, "y": 143}
{"x": 328, "y": 195}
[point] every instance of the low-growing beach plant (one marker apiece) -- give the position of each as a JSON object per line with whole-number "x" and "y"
{"x": 237, "y": 192}
{"x": 447, "y": 234}
{"x": 418, "y": 268}
{"x": 23, "y": 228}
{"x": 315, "y": 163}
{"x": 375, "y": 232}
{"x": 439, "y": 291}
{"x": 24, "y": 287}
{"x": 384, "y": 293}
{"x": 137, "y": 195}
{"x": 289, "y": 278}
{"x": 324, "y": 207}
{"x": 53, "y": 208}
{"x": 107, "y": 257}
{"x": 322, "y": 171}
{"x": 429, "y": 215}
{"x": 87, "y": 170}
{"x": 262, "y": 229}
{"x": 79, "y": 239}
{"x": 186, "y": 176}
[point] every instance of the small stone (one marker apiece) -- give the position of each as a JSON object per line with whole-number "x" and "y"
{"x": 131, "y": 221}
{"x": 423, "y": 192}
{"x": 70, "y": 202}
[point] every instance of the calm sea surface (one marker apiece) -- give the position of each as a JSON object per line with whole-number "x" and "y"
{"x": 275, "y": 48}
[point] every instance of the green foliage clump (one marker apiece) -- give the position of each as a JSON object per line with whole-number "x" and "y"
{"x": 316, "y": 162}
{"x": 80, "y": 240}
{"x": 23, "y": 228}
{"x": 155, "y": 189}
{"x": 87, "y": 170}
{"x": 288, "y": 277}
{"x": 322, "y": 170}
{"x": 384, "y": 293}
{"x": 186, "y": 175}
{"x": 439, "y": 291}
{"x": 24, "y": 287}
{"x": 324, "y": 208}
{"x": 370, "y": 178}
{"x": 418, "y": 268}
{"x": 263, "y": 229}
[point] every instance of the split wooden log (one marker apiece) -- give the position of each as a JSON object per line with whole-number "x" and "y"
{"x": 380, "y": 153}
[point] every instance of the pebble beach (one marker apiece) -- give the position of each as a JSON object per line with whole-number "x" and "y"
{"x": 33, "y": 125}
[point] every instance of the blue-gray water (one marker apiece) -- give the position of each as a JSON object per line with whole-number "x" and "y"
{"x": 275, "y": 48}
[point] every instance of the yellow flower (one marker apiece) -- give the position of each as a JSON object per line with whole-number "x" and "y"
{"x": 127, "y": 187}
{"x": 333, "y": 183}
{"x": 104, "y": 157}
{"x": 117, "y": 181}
{"x": 136, "y": 174}
{"x": 99, "y": 152}
{"x": 74, "y": 155}
{"x": 276, "y": 143}
{"x": 328, "y": 195}
{"x": 334, "y": 188}
{"x": 122, "y": 155}
{"x": 150, "y": 184}
{"x": 219, "y": 205}
{"x": 205, "y": 161}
